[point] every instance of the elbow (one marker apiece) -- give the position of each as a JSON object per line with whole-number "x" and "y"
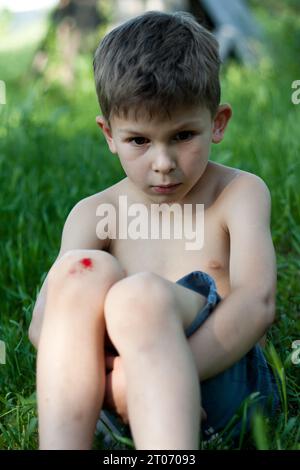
{"x": 32, "y": 335}
{"x": 35, "y": 326}
{"x": 268, "y": 310}
{"x": 263, "y": 310}
{"x": 271, "y": 313}
{"x": 266, "y": 304}
{"x": 34, "y": 329}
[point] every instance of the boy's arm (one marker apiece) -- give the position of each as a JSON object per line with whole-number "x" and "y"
{"x": 79, "y": 232}
{"x": 242, "y": 318}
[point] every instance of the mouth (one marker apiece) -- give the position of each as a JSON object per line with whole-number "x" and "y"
{"x": 166, "y": 188}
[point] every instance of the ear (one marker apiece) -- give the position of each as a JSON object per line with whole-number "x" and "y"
{"x": 105, "y": 127}
{"x": 221, "y": 120}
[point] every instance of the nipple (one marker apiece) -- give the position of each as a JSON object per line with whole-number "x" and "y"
{"x": 213, "y": 264}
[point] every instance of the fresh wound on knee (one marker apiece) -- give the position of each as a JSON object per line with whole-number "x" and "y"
{"x": 86, "y": 263}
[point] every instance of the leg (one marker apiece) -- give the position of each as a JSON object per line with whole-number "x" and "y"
{"x": 145, "y": 317}
{"x": 70, "y": 363}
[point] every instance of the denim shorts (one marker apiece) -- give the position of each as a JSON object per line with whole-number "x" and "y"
{"x": 225, "y": 394}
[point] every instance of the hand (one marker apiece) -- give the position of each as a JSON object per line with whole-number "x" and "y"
{"x": 115, "y": 398}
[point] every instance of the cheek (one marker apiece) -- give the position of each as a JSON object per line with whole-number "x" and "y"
{"x": 193, "y": 156}
{"x": 128, "y": 155}
{"x": 134, "y": 166}
{"x": 202, "y": 148}
{"x": 195, "y": 160}
{"x": 198, "y": 165}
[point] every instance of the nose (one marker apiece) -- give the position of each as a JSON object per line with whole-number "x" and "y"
{"x": 162, "y": 161}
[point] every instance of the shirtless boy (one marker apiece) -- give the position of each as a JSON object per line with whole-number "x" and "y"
{"x": 185, "y": 324}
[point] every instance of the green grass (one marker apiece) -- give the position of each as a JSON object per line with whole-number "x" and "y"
{"x": 52, "y": 155}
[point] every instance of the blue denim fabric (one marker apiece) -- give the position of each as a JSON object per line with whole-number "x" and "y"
{"x": 203, "y": 284}
{"x": 223, "y": 394}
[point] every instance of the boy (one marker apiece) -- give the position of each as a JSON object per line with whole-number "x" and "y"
{"x": 185, "y": 323}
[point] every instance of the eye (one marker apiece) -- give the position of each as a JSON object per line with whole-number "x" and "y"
{"x": 185, "y": 135}
{"x": 138, "y": 141}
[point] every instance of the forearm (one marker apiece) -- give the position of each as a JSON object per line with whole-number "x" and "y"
{"x": 232, "y": 329}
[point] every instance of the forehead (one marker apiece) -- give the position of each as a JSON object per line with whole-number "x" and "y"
{"x": 141, "y": 121}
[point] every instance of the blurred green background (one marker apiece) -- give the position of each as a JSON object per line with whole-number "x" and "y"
{"x": 52, "y": 155}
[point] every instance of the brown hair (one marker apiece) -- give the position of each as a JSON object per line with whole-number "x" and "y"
{"x": 157, "y": 62}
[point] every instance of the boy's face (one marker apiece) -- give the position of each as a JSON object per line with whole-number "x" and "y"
{"x": 166, "y": 151}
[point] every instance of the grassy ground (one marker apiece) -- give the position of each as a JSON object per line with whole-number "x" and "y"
{"x": 52, "y": 155}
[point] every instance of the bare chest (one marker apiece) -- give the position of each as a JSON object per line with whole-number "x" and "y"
{"x": 174, "y": 258}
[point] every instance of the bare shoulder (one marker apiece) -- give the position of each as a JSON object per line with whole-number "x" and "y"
{"x": 80, "y": 229}
{"x": 231, "y": 181}
{"x": 244, "y": 184}
{"x": 89, "y": 204}
{"x": 237, "y": 191}
{"x": 245, "y": 194}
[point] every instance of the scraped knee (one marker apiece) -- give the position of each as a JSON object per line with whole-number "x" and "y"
{"x": 80, "y": 269}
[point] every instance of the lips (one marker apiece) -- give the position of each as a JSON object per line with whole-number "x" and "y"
{"x": 166, "y": 188}
{"x": 166, "y": 185}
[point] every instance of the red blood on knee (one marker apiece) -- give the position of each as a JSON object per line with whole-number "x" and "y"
{"x": 86, "y": 263}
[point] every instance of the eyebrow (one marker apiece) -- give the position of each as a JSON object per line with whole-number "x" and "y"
{"x": 186, "y": 124}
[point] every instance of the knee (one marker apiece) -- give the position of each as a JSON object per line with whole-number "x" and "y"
{"x": 85, "y": 267}
{"x": 139, "y": 302}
